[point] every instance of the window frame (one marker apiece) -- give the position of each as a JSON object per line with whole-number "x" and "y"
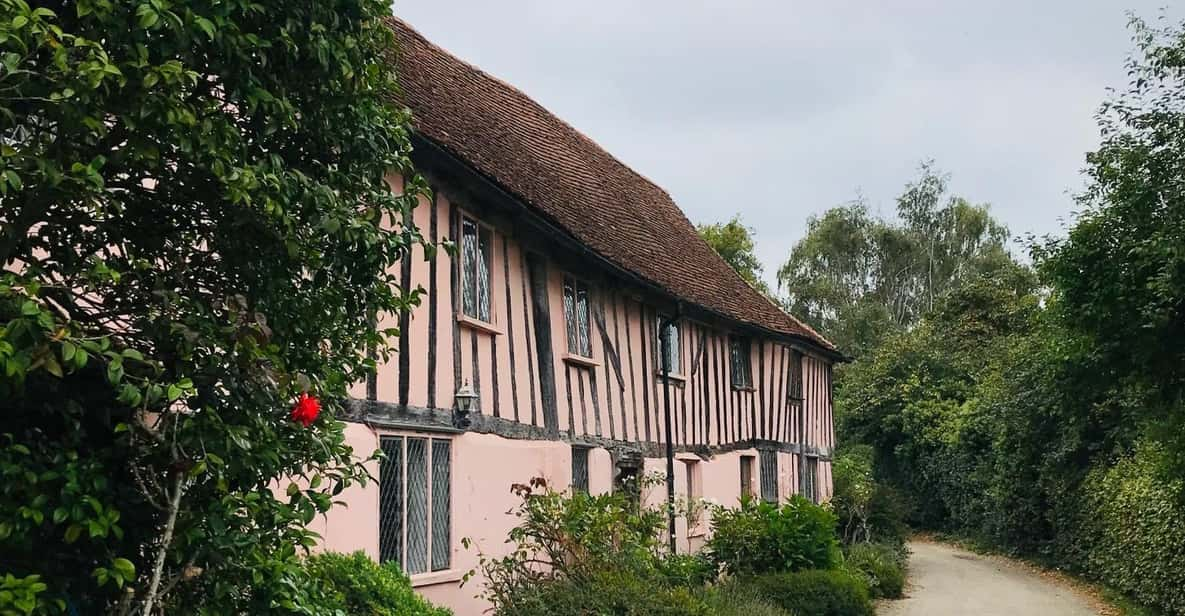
{"x": 580, "y": 452}
{"x": 571, "y": 320}
{"x": 768, "y": 461}
{"x": 809, "y": 482}
{"x": 676, "y": 348}
{"x": 797, "y": 389}
{"x": 435, "y": 482}
{"x": 745, "y": 364}
{"x": 747, "y": 465}
{"x": 694, "y": 477}
{"x": 481, "y": 229}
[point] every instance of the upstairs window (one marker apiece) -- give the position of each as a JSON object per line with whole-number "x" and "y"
{"x": 742, "y": 369}
{"x": 576, "y": 313}
{"x": 796, "y": 390}
{"x": 476, "y": 248}
{"x": 672, "y": 350}
{"x": 415, "y": 503}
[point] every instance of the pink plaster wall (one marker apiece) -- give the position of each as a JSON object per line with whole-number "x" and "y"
{"x": 592, "y": 402}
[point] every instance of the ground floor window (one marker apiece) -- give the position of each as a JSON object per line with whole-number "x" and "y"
{"x": 810, "y": 482}
{"x": 415, "y": 503}
{"x": 747, "y": 476}
{"x": 769, "y": 476}
{"x": 580, "y": 469}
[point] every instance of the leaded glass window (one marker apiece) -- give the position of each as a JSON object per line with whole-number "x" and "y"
{"x": 580, "y": 469}
{"x": 810, "y": 479}
{"x": 415, "y": 503}
{"x": 769, "y": 476}
{"x": 476, "y": 249}
{"x": 796, "y": 376}
{"x": 577, "y": 316}
{"x": 742, "y": 372}
{"x": 673, "y": 354}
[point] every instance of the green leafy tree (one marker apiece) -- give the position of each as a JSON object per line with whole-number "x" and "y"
{"x": 857, "y": 277}
{"x": 733, "y": 241}
{"x": 1119, "y": 276}
{"x": 196, "y": 229}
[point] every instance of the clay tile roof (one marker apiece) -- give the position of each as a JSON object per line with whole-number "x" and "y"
{"x": 574, "y": 183}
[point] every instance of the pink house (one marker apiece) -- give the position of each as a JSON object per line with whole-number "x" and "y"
{"x": 568, "y": 265}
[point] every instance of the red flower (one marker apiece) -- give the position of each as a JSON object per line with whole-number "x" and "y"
{"x": 306, "y": 409}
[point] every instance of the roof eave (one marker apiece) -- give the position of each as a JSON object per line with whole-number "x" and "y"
{"x": 438, "y": 153}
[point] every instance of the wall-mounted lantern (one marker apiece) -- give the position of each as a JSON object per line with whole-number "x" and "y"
{"x": 464, "y": 402}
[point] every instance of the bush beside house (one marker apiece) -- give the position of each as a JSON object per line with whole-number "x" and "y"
{"x": 355, "y": 584}
{"x": 577, "y": 554}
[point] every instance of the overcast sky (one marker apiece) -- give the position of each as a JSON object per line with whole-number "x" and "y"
{"x": 780, "y": 110}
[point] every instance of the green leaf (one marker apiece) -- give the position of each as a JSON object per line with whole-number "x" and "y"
{"x": 52, "y": 366}
{"x": 148, "y": 15}
{"x": 72, "y": 533}
{"x": 124, "y": 567}
{"x": 68, "y": 350}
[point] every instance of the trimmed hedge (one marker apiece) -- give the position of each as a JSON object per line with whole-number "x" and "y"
{"x": 1134, "y": 529}
{"x": 814, "y": 592}
{"x": 355, "y": 584}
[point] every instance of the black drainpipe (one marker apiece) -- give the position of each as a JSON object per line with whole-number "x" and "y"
{"x": 665, "y": 339}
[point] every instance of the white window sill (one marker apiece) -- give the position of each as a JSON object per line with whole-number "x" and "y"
{"x": 676, "y": 378}
{"x": 580, "y": 360}
{"x": 478, "y": 325}
{"x": 744, "y": 388}
{"x": 434, "y": 578}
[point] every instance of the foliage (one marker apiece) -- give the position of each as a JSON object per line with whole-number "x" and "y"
{"x": 733, "y": 241}
{"x": 1118, "y": 278}
{"x": 881, "y": 566}
{"x": 857, "y": 277}
{"x": 195, "y": 230}
{"x": 854, "y": 487}
{"x": 814, "y": 592}
{"x": 606, "y": 592}
{"x": 733, "y": 599}
{"x": 25, "y": 596}
{"x": 1051, "y": 426}
{"x": 355, "y": 584}
{"x": 761, "y": 537}
{"x": 572, "y": 544}
{"x": 690, "y": 570}
{"x": 1134, "y": 528}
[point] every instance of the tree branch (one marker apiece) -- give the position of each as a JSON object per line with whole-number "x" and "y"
{"x": 166, "y": 539}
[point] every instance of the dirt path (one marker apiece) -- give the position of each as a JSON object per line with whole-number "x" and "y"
{"x": 947, "y": 581}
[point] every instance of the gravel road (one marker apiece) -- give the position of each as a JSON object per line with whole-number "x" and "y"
{"x": 947, "y": 581}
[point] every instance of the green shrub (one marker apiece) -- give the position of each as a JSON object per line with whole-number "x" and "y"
{"x": 355, "y": 584}
{"x": 615, "y": 592}
{"x": 814, "y": 592}
{"x": 881, "y": 566}
{"x": 760, "y": 537}
{"x": 740, "y": 600}
{"x": 691, "y": 570}
{"x": 1134, "y": 529}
